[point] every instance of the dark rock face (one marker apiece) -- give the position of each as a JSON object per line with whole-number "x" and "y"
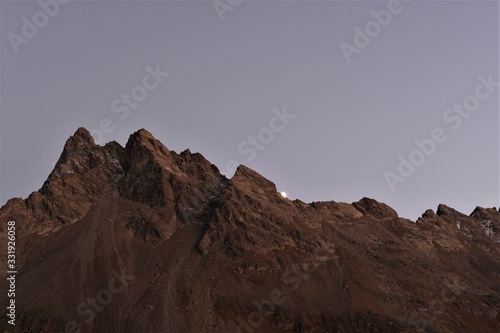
{"x": 374, "y": 208}
{"x": 142, "y": 239}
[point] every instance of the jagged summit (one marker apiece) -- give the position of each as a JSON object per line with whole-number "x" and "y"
{"x": 484, "y": 213}
{"x": 145, "y": 139}
{"x": 143, "y": 170}
{"x": 143, "y": 134}
{"x": 375, "y": 208}
{"x": 82, "y": 135}
{"x": 208, "y": 254}
{"x": 445, "y": 210}
{"x": 248, "y": 177}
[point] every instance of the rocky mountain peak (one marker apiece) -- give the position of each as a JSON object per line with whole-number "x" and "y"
{"x": 83, "y": 134}
{"x": 82, "y": 174}
{"x": 429, "y": 213}
{"x": 144, "y": 138}
{"x": 143, "y": 148}
{"x": 245, "y": 177}
{"x": 374, "y": 208}
{"x": 485, "y": 213}
{"x": 78, "y": 151}
{"x": 444, "y": 210}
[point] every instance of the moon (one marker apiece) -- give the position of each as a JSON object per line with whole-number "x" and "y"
{"x": 283, "y": 194}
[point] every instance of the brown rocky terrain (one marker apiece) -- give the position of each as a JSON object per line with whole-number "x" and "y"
{"x": 142, "y": 239}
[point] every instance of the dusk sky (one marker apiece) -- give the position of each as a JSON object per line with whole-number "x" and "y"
{"x": 327, "y": 99}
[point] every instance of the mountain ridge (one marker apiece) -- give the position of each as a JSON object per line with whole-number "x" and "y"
{"x": 83, "y": 140}
{"x": 204, "y": 250}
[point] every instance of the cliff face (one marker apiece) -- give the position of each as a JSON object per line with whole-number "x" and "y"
{"x": 142, "y": 239}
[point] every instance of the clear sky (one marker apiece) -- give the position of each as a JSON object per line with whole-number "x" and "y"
{"x": 350, "y": 106}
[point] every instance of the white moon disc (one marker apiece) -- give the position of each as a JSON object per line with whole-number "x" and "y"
{"x": 283, "y": 194}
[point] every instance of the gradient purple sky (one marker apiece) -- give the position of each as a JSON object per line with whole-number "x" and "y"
{"x": 226, "y": 77}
